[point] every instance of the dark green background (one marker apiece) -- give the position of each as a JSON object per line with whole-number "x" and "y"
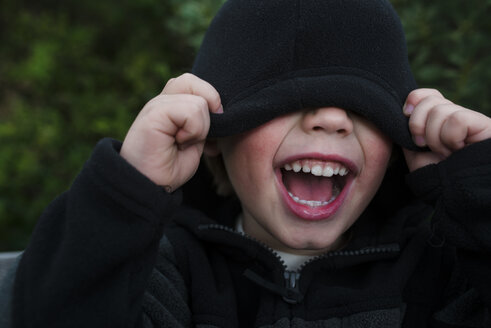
{"x": 72, "y": 72}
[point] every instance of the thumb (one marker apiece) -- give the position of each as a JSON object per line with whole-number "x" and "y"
{"x": 418, "y": 159}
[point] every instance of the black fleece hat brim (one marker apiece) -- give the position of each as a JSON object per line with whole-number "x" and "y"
{"x": 270, "y": 58}
{"x": 354, "y": 91}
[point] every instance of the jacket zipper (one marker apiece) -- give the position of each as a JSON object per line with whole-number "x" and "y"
{"x": 292, "y": 294}
{"x": 214, "y": 226}
{"x": 389, "y": 248}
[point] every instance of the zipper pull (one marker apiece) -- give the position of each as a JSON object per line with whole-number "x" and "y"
{"x": 293, "y": 295}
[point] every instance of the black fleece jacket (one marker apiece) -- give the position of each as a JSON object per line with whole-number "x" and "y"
{"x": 118, "y": 251}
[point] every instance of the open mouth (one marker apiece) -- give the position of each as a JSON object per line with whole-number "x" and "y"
{"x": 315, "y": 188}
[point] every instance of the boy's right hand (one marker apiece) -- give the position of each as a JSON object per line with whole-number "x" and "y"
{"x": 166, "y": 140}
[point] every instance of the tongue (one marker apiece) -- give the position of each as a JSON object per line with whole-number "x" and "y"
{"x": 307, "y": 186}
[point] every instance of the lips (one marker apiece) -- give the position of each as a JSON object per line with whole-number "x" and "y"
{"x": 314, "y": 187}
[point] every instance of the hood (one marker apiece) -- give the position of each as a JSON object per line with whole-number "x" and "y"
{"x": 269, "y": 58}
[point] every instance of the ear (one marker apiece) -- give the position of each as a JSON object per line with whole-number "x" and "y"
{"x": 211, "y": 148}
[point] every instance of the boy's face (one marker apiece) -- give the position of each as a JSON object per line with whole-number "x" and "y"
{"x": 306, "y": 213}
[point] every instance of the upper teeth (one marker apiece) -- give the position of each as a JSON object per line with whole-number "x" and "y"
{"x": 317, "y": 168}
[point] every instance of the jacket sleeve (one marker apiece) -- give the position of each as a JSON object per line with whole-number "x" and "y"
{"x": 459, "y": 188}
{"x": 94, "y": 248}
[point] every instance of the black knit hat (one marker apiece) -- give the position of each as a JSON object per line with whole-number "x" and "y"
{"x": 267, "y": 58}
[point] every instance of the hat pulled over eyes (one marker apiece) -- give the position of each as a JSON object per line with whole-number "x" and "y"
{"x": 270, "y": 58}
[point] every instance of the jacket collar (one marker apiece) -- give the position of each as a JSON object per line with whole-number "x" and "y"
{"x": 372, "y": 238}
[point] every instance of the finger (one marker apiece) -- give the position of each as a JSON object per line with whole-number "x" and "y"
{"x": 453, "y": 133}
{"x": 168, "y": 83}
{"x": 437, "y": 118}
{"x": 416, "y": 96}
{"x": 191, "y": 84}
{"x": 479, "y": 127}
{"x": 191, "y": 120}
{"x": 466, "y": 127}
{"x": 417, "y": 159}
{"x": 169, "y": 114}
{"x": 419, "y": 117}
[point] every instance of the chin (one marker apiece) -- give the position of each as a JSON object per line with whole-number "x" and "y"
{"x": 320, "y": 239}
{"x": 310, "y": 245}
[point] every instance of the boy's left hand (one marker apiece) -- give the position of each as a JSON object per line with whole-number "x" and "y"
{"x": 442, "y": 126}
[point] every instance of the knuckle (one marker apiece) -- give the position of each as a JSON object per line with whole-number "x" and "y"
{"x": 196, "y": 108}
{"x": 453, "y": 144}
{"x": 458, "y": 115}
{"x": 430, "y": 92}
{"x": 416, "y": 127}
{"x": 186, "y": 76}
{"x": 418, "y": 95}
{"x": 435, "y": 98}
{"x": 439, "y": 109}
{"x": 150, "y": 105}
{"x": 194, "y": 131}
{"x": 169, "y": 82}
{"x": 200, "y": 103}
{"x": 435, "y": 93}
{"x": 445, "y": 107}
{"x": 188, "y": 99}
{"x": 215, "y": 99}
{"x": 452, "y": 138}
{"x": 413, "y": 97}
{"x": 454, "y": 118}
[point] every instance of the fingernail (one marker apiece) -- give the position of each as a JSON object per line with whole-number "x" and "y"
{"x": 408, "y": 109}
{"x": 219, "y": 110}
{"x": 420, "y": 141}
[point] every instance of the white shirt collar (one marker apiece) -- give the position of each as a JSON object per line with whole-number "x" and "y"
{"x": 293, "y": 262}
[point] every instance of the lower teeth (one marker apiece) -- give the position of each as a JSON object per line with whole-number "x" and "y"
{"x": 311, "y": 203}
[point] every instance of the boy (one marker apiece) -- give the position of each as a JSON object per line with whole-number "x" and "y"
{"x": 309, "y": 101}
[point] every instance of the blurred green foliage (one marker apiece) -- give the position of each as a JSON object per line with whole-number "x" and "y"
{"x": 72, "y": 72}
{"x": 450, "y": 47}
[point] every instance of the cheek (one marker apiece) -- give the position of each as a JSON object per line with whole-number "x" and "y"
{"x": 377, "y": 149}
{"x": 376, "y": 146}
{"x": 383, "y": 150}
{"x": 379, "y": 154}
{"x": 249, "y": 157}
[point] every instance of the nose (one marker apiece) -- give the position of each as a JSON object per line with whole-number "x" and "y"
{"x": 330, "y": 120}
